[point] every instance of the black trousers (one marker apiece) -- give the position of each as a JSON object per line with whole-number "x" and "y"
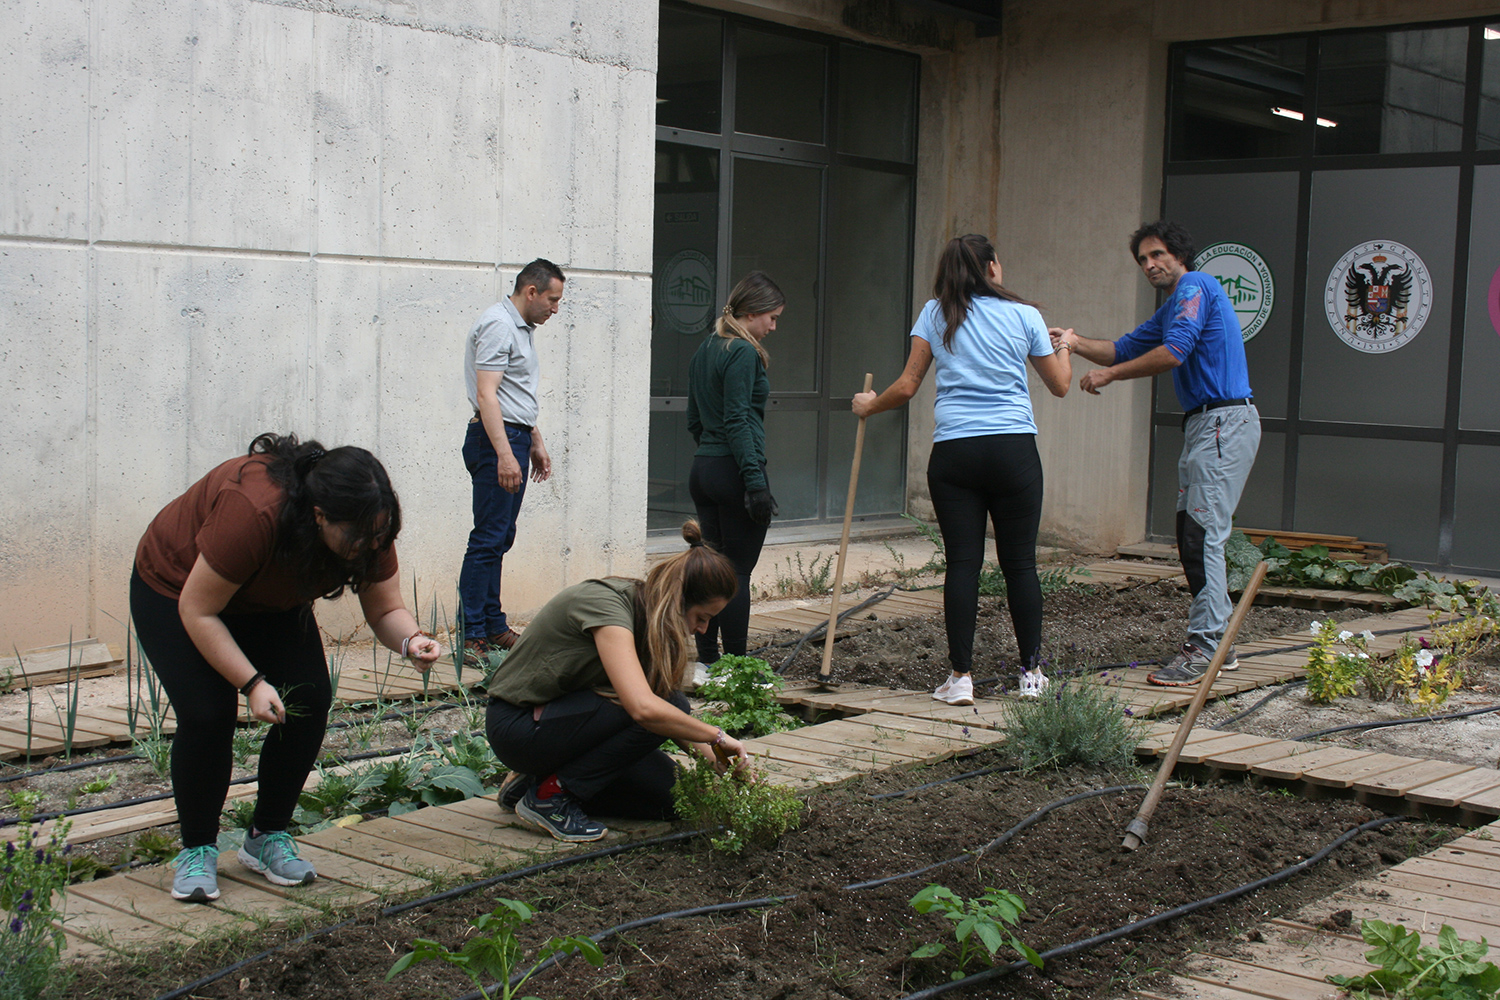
{"x": 287, "y": 648}
{"x": 601, "y": 756}
{"x": 718, "y": 493}
{"x": 999, "y": 477}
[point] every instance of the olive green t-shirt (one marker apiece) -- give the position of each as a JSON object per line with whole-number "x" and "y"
{"x": 556, "y": 654}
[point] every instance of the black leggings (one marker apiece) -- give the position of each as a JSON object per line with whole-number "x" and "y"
{"x": 601, "y": 756}
{"x": 999, "y": 476}
{"x": 718, "y": 493}
{"x": 286, "y": 647}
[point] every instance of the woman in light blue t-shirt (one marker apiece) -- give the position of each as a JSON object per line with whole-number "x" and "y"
{"x": 984, "y": 462}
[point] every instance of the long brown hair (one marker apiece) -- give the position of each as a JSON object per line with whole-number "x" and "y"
{"x": 756, "y": 293}
{"x": 962, "y": 276}
{"x": 693, "y": 577}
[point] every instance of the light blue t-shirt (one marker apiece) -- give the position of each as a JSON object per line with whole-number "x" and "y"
{"x": 981, "y": 383}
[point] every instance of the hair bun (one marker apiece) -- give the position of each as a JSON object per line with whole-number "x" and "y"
{"x": 692, "y": 533}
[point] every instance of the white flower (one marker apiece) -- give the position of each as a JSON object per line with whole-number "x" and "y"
{"x": 1315, "y": 628}
{"x": 1367, "y": 635}
{"x": 1364, "y": 656}
{"x": 1345, "y": 635}
{"x": 1424, "y": 658}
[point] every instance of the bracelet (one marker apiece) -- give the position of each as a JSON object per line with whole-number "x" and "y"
{"x": 1064, "y": 347}
{"x": 717, "y": 740}
{"x": 407, "y": 642}
{"x": 250, "y": 684}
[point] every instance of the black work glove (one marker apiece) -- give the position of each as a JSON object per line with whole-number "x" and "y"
{"x": 761, "y": 506}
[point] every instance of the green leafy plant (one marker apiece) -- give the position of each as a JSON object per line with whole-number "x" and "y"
{"x": 152, "y": 846}
{"x": 982, "y": 925}
{"x": 1453, "y": 969}
{"x": 752, "y": 812}
{"x": 34, "y": 875}
{"x": 472, "y": 752}
{"x": 156, "y": 751}
{"x": 239, "y": 814}
{"x": 103, "y": 783}
{"x": 493, "y": 953}
{"x": 811, "y": 579}
{"x": 247, "y": 742}
{"x": 1072, "y": 723}
{"x": 1448, "y": 595}
{"x": 741, "y": 692}
{"x": 1334, "y": 663}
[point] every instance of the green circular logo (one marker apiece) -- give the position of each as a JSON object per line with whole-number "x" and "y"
{"x": 1246, "y": 280}
{"x": 685, "y": 292}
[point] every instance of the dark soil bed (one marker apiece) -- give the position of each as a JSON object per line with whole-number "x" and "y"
{"x": 1069, "y": 869}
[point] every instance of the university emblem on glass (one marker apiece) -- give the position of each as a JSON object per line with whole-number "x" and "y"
{"x": 1246, "y": 280}
{"x": 685, "y": 292}
{"x": 1378, "y": 296}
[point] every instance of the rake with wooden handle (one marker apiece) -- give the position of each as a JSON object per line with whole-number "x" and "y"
{"x": 1135, "y": 833}
{"x": 838, "y": 573}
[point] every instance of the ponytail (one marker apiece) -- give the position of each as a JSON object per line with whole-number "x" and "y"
{"x": 962, "y": 276}
{"x": 699, "y": 575}
{"x": 756, "y": 293}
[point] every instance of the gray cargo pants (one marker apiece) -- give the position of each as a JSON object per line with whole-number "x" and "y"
{"x": 1218, "y": 450}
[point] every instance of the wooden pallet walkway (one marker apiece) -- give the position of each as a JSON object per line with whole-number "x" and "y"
{"x": 361, "y": 864}
{"x": 1290, "y": 958}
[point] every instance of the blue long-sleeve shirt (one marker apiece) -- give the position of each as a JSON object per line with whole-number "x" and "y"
{"x": 1199, "y": 326}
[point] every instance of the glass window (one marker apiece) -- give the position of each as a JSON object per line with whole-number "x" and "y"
{"x": 1240, "y": 101}
{"x": 776, "y": 218}
{"x": 689, "y": 72}
{"x": 779, "y": 86}
{"x": 684, "y": 271}
{"x": 1392, "y": 91}
{"x": 1489, "y": 90}
{"x": 877, "y": 103}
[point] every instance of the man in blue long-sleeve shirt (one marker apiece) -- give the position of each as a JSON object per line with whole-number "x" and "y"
{"x": 1196, "y": 336}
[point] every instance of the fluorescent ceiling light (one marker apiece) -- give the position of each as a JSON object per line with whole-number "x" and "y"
{"x": 1297, "y": 116}
{"x": 1491, "y": 34}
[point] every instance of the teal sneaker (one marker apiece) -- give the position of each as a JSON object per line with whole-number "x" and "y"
{"x": 197, "y": 878}
{"x": 274, "y": 855}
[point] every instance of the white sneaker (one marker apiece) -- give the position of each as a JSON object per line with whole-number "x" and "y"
{"x": 960, "y": 691}
{"x": 942, "y": 689}
{"x": 1033, "y": 683}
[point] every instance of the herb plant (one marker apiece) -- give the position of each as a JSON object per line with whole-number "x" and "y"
{"x": 33, "y": 884}
{"x": 982, "y": 925}
{"x": 1072, "y": 723}
{"x": 741, "y": 692}
{"x": 1453, "y": 969}
{"x": 752, "y": 812}
{"x": 493, "y": 953}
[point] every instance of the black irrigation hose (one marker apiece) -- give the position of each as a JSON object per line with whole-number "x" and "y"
{"x": 1388, "y": 723}
{"x": 1286, "y": 688}
{"x": 447, "y": 894}
{"x": 1166, "y": 915}
{"x": 696, "y": 911}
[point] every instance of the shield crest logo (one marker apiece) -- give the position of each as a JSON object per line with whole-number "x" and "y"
{"x": 1378, "y": 299}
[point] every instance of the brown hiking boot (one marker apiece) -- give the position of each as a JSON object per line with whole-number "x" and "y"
{"x": 505, "y": 640}
{"x": 476, "y": 653}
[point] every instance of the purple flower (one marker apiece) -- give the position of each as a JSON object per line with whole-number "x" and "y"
{"x": 15, "y": 926}
{"x": 26, "y": 896}
{"x": 965, "y": 730}
{"x": 10, "y": 849}
{"x": 1422, "y": 639}
{"x": 1129, "y": 713}
{"x": 41, "y": 856}
{"x": 23, "y": 908}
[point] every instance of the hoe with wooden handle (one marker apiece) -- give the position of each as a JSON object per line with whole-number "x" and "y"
{"x": 1135, "y": 833}
{"x": 838, "y": 574}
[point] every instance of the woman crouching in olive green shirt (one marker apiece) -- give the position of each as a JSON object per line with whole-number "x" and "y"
{"x": 581, "y": 706}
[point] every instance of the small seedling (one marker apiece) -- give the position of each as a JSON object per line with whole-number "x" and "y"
{"x": 239, "y": 814}
{"x": 247, "y": 742}
{"x": 1453, "y": 969}
{"x": 493, "y": 953}
{"x": 153, "y": 846}
{"x": 102, "y": 783}
{"x": 981, "y": 925}
{"x": 156, "y": 751}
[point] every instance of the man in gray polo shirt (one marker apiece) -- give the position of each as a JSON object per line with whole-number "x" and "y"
{"x": 501, "y": 376}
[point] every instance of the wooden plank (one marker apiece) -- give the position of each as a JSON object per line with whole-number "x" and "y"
{"x": 1402, "y": 780}
{"x": 448, "y": 845}
{"x": 943, "y": 730}
{"x": 1462, "y": 874}
{"x": 367, "y": 875}
{"x": 816, "y": 753}
{"x": 1243, "y": 759}
{"x": 482, "y": 829}
{"x": 1487, "y": 801}
{"x": 247, "y": 893}
{"x": 355, "y": 843}
{"x": 1416, "y": 916}
{"x": 138, "y": 895}
{"x": 1198, "y": 753}
{"x": 1434, "y": 887}
{"x": 1345, "y": 774}
{"x": 859, "y": 739}
{"x": 117, "y": 928}
{"x": 1257, "y": 980}
{"x": 60, "y": 661}
{"x": 1182, "y": 988}
{"x": 1198, "y": 739}
{"x": 1292, "y": 768}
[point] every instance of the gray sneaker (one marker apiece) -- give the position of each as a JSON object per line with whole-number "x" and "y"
{"x": 513, "y": 787}
{"x": 274, "y": 855}
{"x": 560, "y": 816}
{"x": 1183, "y": 670}
{"x": 197, "y": 878}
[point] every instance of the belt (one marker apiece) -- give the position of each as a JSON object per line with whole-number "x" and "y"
{"x": 520, "y": 427}
{"x": 1215, "y": 404}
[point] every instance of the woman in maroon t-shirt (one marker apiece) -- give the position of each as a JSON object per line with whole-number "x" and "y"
{"x": 222, "y": 596}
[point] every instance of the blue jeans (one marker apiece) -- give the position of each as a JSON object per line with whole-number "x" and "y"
{"x": 495, "y": 513}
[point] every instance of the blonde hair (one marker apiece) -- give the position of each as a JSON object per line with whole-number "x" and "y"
{"x": 699, "y": 575}
{"x": 756, "y": 293}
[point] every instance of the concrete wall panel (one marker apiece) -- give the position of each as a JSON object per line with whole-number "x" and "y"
{"x": 44, "y": 492}
{"x": 44, "y": 130}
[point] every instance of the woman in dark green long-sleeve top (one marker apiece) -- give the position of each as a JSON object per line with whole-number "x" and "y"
{"x": 727, "y": 390}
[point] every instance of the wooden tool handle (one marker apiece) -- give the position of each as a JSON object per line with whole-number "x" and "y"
{"x": 838, "y": 574}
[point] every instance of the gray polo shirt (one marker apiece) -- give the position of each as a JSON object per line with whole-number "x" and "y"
{"x": 501, "y": 342}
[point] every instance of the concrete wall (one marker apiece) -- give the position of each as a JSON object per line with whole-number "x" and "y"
{"x": 219, "y": 217}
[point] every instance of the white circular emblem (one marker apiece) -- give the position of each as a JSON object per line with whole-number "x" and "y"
{"x": 1246, "y": 280}
{"x": 1378, "y": 296}
{"x": 685, "y": 292}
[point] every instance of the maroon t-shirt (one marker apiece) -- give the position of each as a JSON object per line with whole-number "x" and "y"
{"x": 229, "y": 518}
